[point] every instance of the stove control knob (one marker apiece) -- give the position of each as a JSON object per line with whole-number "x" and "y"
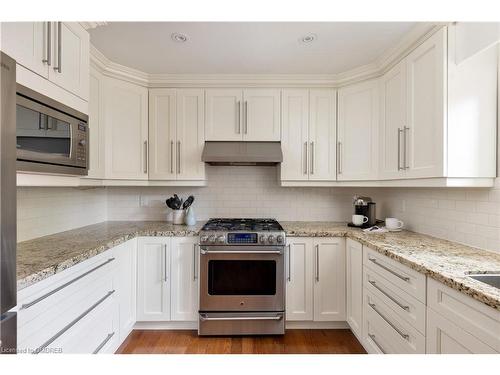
{"x": 280, "y": 239}
{"x": 221, "y": 239}
{"x": 203, "y": 239}
{"x": 211, "y": 239}
{"x": 262, "y": 239}
{"x": 270, "y": 238}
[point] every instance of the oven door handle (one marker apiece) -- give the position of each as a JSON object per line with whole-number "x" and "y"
{"x": 278, "y": 317}
{"x": 274, "y": 252}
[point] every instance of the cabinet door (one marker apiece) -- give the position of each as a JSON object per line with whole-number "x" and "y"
{"x": 162, "y": 134}
{"x": 153, "y": 279}
{"x": 444, "y": 337}
{"x": 184, "y": 286}
{"x": 261, "y": 121}
{"x": 27, "y": 43}
{"x": 126, "y": 119}
{"x": 70, "y": 67}
{"x": 294, "y": 134}
{"x": 223, "y": 115}
{"x": 357, "y": 137}
{"x": 329, "y": 279}
{"x": 96, "y": 126}
{"x": 190, "y": 134}
{"x": 392, "y": 122}
{"x": 426, "y": 117}
{"x": 299, "y": 279}
{"x": 125, "y": 284}
{"x": 354, "y": 278}
{"x": 322, "y": 135}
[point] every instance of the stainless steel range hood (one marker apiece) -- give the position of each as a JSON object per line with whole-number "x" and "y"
{"x": 242, "y": 153}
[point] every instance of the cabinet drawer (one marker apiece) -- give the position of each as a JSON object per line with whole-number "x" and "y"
{"x": 385, "y": 332}
{"x": 479, "y": 320}
{"x": 404, "y": 305}
{"x": 401, "y": 276}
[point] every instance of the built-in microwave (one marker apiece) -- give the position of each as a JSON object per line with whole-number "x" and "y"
{"x": 51, "y": 137}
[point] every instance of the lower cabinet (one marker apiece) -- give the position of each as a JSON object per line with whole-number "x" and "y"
{"x": 167, "y": 285}
{"x": 315, "y": 279}
{"x": 354, "y": 286}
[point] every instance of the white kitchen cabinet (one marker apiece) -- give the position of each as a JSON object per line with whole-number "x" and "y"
{"x": 393, "y": 120}
{"x": 96, "y": 126}
{"x": 125, "y": 285}
{"x": 299, "y": 279}
{"x": 242, "y": 115}
{"x": 70, "y": 66}
{"x": 309, "y": 135}
{"x": 357, "y": 131}
{"x": 329, "y": 287}
{"x": 126, "y": 130}
{"x": 28, "y": 44}
{"x": 354, "y": 286}
{"x": 261, "y": 115}
{"x": 153, "y": 279}
{"x": 425, "y": 128}
{"x": 184, "y": 279}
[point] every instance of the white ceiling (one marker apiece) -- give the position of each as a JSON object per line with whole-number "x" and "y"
{"x": 247, "y": 47}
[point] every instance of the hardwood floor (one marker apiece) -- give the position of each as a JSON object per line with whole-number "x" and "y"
{"x": 295, "y": 341}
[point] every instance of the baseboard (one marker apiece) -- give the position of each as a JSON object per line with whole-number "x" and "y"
{"x": 315, "y": 325}
{"x": 166, "y": 325}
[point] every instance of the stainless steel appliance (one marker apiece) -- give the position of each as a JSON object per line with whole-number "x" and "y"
{"x": 242, "y": 153}
{"x": 242, "y": 277}
{"x": 51, "y": 137}
{"x": 366, "y": 207}
{"x": 8, "y": 288}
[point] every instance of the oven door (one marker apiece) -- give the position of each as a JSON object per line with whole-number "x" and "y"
{"x": 242, "y": 278}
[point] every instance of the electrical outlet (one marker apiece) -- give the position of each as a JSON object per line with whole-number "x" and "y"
{"x": 144, "y": 201}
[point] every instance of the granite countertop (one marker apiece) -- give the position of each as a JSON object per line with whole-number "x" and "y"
{"x": 445, "y": 261}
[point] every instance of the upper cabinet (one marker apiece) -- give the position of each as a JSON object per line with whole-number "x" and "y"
{"x": 242, "y": 115}
{"x": 357, "y": 127}
{"x": 176, "y": 134}
{"x": 57, "y": 51}
{"x": 309, "y": 135}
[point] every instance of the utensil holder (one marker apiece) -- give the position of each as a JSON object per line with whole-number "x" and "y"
{"x": 178, "y": 216}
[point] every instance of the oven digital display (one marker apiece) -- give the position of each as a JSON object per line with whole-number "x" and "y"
{"x": 242, "y": 238}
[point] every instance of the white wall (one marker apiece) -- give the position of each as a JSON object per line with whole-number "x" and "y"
{"x": 44, "y": 211}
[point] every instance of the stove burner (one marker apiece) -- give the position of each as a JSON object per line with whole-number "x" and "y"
{"x": 228, "y": 224}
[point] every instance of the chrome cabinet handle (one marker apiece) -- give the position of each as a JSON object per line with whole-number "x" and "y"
{"x": 317, "y": 263}
{"x": 278, "y": 317}
{"x": 205, "y": 252}
{"x": 238, "y": 117}
{"x": 407, "y": 308}
{"x": 178, "y": 157}
{"x": 374, "y": 261}
{"x": 165, "y": 262}
{"x": 339, "y": 153}
{"x": 195, "y": 276}
{"x": 376, "y": 343}
{"x": 289, "y": 263}
{"x": 35, "y": 301}
{"x": 172, "y": 157}
{"x": 58, "y": 68}
{"x": 399, "y": 149}
{"x": 403, "y": 335}
{"x": 145, "y": 156}
{"x": 305, "y": 158}
{"x": 405, "y": 165}
{"x": 48, "y": 41}
{"x": 105, "y": 341}
{"x": 246, "y": 117}
{"x": 72, "y": 323}
{"x": 312, "y": 157}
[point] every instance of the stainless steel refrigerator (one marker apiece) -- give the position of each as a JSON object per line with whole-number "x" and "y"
{"x": 8, "y": 288}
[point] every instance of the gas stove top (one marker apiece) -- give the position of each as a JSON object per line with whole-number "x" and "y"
{"x": 227, "y": 231}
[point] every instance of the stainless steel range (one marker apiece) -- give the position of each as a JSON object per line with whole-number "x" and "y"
{"x": 242, "y": 277}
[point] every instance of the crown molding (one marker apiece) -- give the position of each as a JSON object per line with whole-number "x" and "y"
{"x": 375, "y": 69}
{"x": 92, "y": 24}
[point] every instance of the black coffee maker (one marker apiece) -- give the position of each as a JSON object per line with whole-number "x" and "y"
{"x": 364, "y": 206}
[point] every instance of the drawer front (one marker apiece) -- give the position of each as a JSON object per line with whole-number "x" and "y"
{"x": 404, "y": 305}
{"x": 53, "y": 322}
{"x": 401, "y": 276}
{"x": 386, "y": 332}
{"x": 479, "y": 320}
